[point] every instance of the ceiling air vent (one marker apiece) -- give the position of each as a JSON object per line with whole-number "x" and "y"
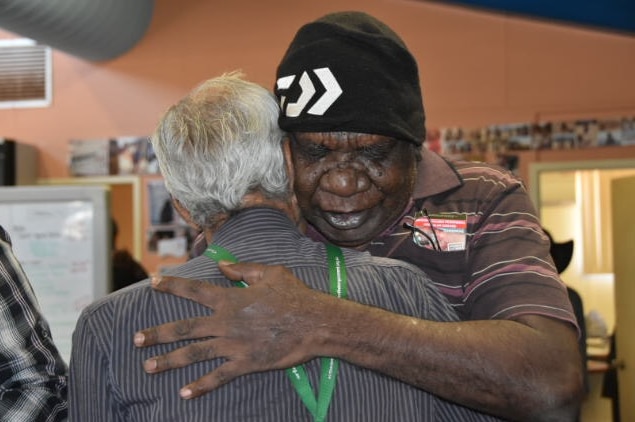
{"x": 25, "y": 73}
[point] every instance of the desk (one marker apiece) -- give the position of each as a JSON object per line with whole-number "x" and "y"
{"x": 598, "y": 360}
{"x": 597, "y": 366}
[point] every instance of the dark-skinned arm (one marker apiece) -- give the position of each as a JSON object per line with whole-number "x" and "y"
{"x": 527, "y": 369}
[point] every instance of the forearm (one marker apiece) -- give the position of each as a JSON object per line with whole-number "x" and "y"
{"x": 527, "y": 369}
{"x": 506, "y": 368}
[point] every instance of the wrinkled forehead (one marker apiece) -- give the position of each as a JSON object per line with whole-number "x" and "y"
{"x": 336, "y": 139}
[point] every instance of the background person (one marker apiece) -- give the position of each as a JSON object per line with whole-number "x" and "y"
{"x": 32, "y": 371}
{"x": 126, "y": 270}
{"x": 561, "y": 253}
{"x": 351, "y": 101}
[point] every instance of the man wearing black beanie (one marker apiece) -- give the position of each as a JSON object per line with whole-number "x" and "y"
{"x": 351, "y": 101}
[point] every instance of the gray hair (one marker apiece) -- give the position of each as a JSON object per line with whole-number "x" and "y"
{"x": 219, "y": 143}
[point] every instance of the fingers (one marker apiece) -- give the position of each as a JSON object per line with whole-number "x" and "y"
{"x": 193, "y": 328}
{"x": 193, "y": 353}
{"x": 184, "y": 356}
{"x": 197, "y": 290}
{"x": 248, "y": 272}
{"x": 213, "y": 380}
{"x": 253, "y": 273}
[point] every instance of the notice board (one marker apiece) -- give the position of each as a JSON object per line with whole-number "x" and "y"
{"x": 61, "y": 236}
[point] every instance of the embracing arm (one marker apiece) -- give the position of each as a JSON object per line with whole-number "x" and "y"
{"x": 527, "y": 369}
{"x": 519, "y": 370}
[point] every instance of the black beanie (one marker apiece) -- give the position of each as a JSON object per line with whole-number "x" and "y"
{"x": 349, "y": 72}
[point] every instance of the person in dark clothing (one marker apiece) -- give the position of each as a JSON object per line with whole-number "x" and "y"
{"x": 33, "y": 383}
{"x": 610, "y": 387}
{"x": 125, "y": 269}
{"x": 561, "y": 253}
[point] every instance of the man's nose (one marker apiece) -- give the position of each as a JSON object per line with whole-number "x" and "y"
{"x": 345, "y": 181}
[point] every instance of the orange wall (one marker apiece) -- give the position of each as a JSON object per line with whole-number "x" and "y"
{"x": 476, "y": 68}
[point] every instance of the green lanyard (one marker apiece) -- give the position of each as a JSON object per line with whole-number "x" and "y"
{"x": 330, "y": 366}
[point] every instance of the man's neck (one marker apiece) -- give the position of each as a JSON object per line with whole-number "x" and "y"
{"x": 257, "y": 200}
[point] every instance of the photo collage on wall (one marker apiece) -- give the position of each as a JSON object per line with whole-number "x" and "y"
{"x": 123, "y": 155}
{"x": 502, "y": 141}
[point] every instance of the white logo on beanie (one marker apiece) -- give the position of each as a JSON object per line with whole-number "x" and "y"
{"x": 332, "y": 91}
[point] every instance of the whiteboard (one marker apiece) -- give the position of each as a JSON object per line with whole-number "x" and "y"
{"x": 61, "y": 236}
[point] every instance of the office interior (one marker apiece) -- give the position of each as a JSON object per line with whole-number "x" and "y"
{"x": 478, "y": 68}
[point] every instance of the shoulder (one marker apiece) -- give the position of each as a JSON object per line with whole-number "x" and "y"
{"x": 394, "y": 273}
{"x": 135, "y": 299}
{"x": 383, "y": 264}
{"x": 479, "y": 177}
{"x": 443, "y": 180}
{"x": 469, "y": 171}
{"x": 130, "y": 296}
{"x": 397, "y": 286}
{"x": 485, "y": 190}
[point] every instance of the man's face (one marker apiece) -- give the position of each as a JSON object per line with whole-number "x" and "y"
{"x": 352, "y": 186}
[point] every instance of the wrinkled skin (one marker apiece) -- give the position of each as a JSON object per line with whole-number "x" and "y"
{"x": 351, "y": 187}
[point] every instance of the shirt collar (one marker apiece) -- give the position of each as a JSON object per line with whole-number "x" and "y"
{"x": 258, "y": 219}
{"x": 435, "y": 175}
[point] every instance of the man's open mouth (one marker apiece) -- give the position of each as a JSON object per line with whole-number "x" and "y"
{"x": 345, "y": 221}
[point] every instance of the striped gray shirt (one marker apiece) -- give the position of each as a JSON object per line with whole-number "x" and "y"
{"x": 107, "y": 381}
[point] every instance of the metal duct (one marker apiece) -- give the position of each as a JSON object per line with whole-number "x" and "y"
{"x": 90, "y": 29}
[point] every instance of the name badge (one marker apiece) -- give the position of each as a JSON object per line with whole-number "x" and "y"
{"x": 442, "y": 232}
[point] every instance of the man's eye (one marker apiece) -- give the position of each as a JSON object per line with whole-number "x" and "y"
{"x": 314, "y": 152}
{"x": 376, "y": 152}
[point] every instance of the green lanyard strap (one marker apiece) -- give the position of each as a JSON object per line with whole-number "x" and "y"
{"x": 338, "y": 287}
{"x": 218, "y": 253}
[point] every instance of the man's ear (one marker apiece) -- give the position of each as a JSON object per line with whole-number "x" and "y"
{"x": 295, "y": 208}
{"x": 184, "y": 213}
{"x": 288, "y": 158}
